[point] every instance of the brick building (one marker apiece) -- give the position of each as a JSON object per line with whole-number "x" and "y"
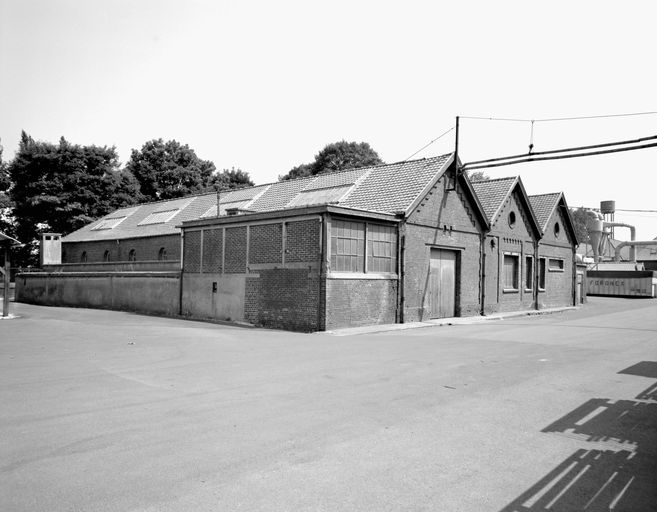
{"x": 390, "y": 243}
{"x": 555, "y": 265}
{"x": 510, "y": 245}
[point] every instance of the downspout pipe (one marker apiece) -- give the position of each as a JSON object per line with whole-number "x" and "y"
{"x": 632, "y": 244}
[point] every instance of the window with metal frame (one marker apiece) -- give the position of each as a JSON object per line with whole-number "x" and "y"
{"x": 511, "y": 272}
{"x": 381, "y": 248}
{"x": 347, "y": 246}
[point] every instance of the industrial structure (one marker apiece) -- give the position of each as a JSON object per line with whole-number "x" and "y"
{"x": 391, "y": 243}
{"x": 613, "y": 268}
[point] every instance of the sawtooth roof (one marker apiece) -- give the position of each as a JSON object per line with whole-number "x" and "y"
{"x": 492, "y": 194}
{"x": 543, "y": 206}
{"x": 387, "y": 188}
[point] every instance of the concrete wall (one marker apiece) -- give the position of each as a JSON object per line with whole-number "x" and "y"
{"x": 214, "y": 296}
{"x": 141, "y": 292}
{"x": 443, "y": 219}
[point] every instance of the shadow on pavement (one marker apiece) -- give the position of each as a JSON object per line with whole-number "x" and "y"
{"x": 620, "y": 474}
{"x": 642, "y": 369}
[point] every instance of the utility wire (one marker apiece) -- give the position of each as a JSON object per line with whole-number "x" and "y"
{"x": 550, "y": 119}
{"x": 426, "y": 146}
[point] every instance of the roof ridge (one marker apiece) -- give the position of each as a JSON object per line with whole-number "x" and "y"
{"x": 494, "y": 179}
{"x": 314, "y": 176}
{"x": 545, "y": 194}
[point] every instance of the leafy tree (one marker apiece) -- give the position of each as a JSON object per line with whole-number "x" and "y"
{"x": 7, "y": 221}
{"x": 580, "y": 217}
{"x": 167, "y": 170}
{"x": 4, "y": 174}
{"x": 231, "y": 178}
{"x": 477, "y": 175}
{"x": 336, "y": 157}
{"x": 61, "y": 187}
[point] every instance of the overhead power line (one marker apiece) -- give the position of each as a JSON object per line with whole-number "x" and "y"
{"x": 429, "y": 144}
{"x": 551, "y": 119}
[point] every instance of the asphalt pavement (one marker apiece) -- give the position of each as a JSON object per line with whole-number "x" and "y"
{"x": 111, "y": 411}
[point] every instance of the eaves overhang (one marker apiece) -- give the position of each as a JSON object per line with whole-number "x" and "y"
{"x": 289, "y": 213}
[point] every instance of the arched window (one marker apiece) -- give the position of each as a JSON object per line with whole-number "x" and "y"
{"x": 512, "y": 219}
{"x": 83, "y": 257}
{"x": 106, "y": 256}
{"x": 162, "y": 255}
{"x": 557, "y": 229}
{"x": 132, "y": 255}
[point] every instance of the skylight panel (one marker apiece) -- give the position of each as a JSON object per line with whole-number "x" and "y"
{"x": 160, "y": 217}
{"x": 321, "y": 196}
{"x": 109, "y": 223}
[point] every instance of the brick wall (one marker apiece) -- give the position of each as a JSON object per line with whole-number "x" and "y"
{"x": 516, "y": 239}
{"x": 235, "y": 254}
{"x": 302, "y": 241}
{"x": 284, "y": 299}
{"x": 418, "y": 243}
{"x": 146, "y": 249}
{"x": 558, "y": 284}
{"x": 356, "y": 302}
{"x": 443, "y": 219}
{"x": 281, "y": 297}
{"x": 266, "y": 243}
{"x": 192, "y": 248}
{"x": 213, "y": 240}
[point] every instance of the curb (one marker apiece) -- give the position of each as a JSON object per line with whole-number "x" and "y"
{"x": 442, "y": 322}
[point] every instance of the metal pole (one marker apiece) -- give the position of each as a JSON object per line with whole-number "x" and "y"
{"x": 6, "y": 279}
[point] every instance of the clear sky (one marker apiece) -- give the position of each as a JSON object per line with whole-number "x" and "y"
{"x": 264, "y": 85}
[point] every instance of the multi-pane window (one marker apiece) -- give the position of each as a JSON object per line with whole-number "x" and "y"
{"x": 541, "y": 274}
{"x": 555, "y": 264}
{"x": 347, "y": 246}
{"x": 529, "y": 272}
{"x": 349, "y": 251}
{"x": 381, "y": 248}
{"x": 510, "y": 272}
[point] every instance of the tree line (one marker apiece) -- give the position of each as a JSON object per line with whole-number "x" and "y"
{"x": 61, "y": 187}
